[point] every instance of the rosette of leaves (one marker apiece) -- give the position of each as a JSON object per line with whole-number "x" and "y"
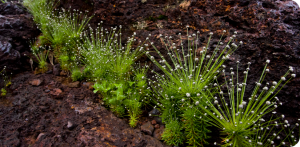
{"x": 241, "y": 119}
{"x": 186, "y": 82}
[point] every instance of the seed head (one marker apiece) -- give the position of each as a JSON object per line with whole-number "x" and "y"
{"x": 241, "y": 106}
{"x": 188, "y": 94}
{"x": 216, "y": 102}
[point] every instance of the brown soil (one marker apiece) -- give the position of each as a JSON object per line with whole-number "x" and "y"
{"x": 53, "y": 114}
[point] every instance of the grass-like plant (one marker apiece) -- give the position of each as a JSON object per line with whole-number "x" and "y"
{"x": 61, "y": 29}
{"x": 111, "y": 66}
{"x": 241, "y": 119}
{"x": 185, "y": 82}
{"x": 41, "y": 54}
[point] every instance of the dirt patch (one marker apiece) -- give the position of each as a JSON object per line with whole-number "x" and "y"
{"x": 53, "y": 114}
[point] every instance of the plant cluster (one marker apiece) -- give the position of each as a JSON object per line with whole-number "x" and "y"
{"x": 95, "y": 55}
{"x": 186, "y": 89}
{"x": 112, "y": 67}
{"x": 7, "y": 82}
{"x": 186, "y": 83}
{"x": 61, "y": 30}
{"x": 188, "y": 95}
{"x": 241, "y": 119}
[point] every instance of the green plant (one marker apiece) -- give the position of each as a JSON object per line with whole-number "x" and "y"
{"x": 41, "y": 54}
{"x": 64, "y": 62}
{"x": 138, "y": 94}
{"x": 61, "y": 29}
{"x": 240, "y": 119}
{"x": 76, "y": 74}
{"x": 7, "y": 81}
{"x": 3, "y": 92}
{"x": 173, "y": 133}
{"x": 111, "y": 66}
{"x": 186, "y": 81}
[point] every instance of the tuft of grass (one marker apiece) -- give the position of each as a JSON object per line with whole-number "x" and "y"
{"x": 241, "y": 119}
{"x": 110, "y": 65}
{"x": 186, "y": 82}
{"x": 41, "y": 54}
{"x": 61, "y": 29}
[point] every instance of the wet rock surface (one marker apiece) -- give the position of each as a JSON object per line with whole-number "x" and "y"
{"x": 16, "y": 29}
{"x": 147, "y": 128}
{"x": 63, "y": 117}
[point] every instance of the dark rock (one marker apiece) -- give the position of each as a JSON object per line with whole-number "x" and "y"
{"x": 56, "y": 69}
{"x": 12, "y": 139}
{"x": 153, "y": 122}
{"x": 157, "y": 119}
{"x": 63, "y": 73}
{"x": 16, "y": 27}
{"x": 156, "y": 126}
{"x": 154, "y": 112}
{"x": 158, "y": 132}
{"x": 56, "y": 91}
{"x": 49, "y": 72}
{"x": 89, "y": 85}
{"x": 147, "y": 128}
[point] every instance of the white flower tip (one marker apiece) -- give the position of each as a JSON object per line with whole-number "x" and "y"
{"x": 268, "y": 61}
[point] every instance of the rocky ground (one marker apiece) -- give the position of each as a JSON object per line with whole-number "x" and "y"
{"x": 48, "y": 109}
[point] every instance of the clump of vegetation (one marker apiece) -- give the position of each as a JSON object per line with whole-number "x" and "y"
{"x": 122, "y": 85}
{"x": 186, "y": 83}
{"x": 240, "y": 118}
{"x": 187, "y": 91}
{"x": 6, "y": 80}
{"x": 41, "y": 54}
{"x": 76, "y": 74}
{"x": 61, "y": 29}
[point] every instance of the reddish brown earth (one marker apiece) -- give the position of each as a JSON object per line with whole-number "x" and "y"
{"x": 40, "y": 115}
{"x": 42, "y": 110}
